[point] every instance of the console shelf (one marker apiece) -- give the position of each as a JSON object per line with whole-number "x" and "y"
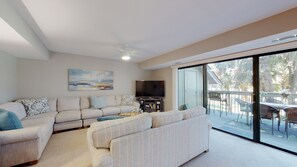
{"x": 151, "y": 104}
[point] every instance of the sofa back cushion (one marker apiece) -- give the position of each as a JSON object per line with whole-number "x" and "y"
{"x": 16, "y": 108}
{"x": 110, "y": 101}
{"x": 193, "y": 112}
{"x": 118, "y": 99}
{"x": 104, "y": 132}
{"x": 9, "y": 121}
{"x": 98, "y": 101}
{"x": 68, "y": 103}
{"x": 165, "y": 118}
{"x": 52, "y": 103}
{"x": 84, "y": 103}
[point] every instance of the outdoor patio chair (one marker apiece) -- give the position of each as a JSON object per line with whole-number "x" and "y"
{"x": 245, "y": 107}
{"x": 270, "y": 113}
{"x": 272, "y": 100}
{"x": 216, "y": 96}
{"x": 291, "y": 114}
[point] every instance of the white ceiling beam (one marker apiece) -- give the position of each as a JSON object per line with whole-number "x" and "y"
{"x": 11, "y": 17}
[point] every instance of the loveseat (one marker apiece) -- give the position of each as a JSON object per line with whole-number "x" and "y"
{"x": 146, "y": 140}
{"x": 27, "y": 144}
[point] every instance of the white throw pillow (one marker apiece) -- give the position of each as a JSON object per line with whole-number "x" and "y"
{"x": 127, "y": 100}
{"x": 35, "y": 106}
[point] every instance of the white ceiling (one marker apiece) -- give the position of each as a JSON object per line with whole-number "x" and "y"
{"x": 101, "y": 28}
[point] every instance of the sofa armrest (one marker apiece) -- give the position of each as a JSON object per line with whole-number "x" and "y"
{"x": 102, "y": 158}
{"x": 136, "y": 104}
{"x": 18, "y": 135}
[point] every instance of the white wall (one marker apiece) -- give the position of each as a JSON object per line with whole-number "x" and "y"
{"x": 166, "y": 75}
{"x": 8, "y": 77}
{"x": 50, "y": 78}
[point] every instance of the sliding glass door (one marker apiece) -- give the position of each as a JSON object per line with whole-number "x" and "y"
{"x": 230, "y": 90}
{"x": 253, "y": 97}
{"x": 278, "y": 100}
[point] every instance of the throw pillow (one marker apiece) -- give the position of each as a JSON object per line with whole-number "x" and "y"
{"x": 35, "y": 106}
{"x": 98, "y": 101}
{"x": 127, "y": 100}
{"x": 9, "y": 120}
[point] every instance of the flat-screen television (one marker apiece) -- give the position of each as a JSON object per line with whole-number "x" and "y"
{"x": 150, "y": 89}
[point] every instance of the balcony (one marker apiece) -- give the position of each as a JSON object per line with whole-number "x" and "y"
{"x": 226, "y": 114}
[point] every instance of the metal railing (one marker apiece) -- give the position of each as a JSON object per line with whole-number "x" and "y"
{"x": 233, "y": 106}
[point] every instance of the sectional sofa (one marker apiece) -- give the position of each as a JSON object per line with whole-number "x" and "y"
{"x": 27, "y": 144}
{"x": 156, "y": 139}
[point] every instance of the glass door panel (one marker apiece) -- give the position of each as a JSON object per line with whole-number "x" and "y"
{"x": 190, "y": 93}
{"x": 278, "y": 100}
{"x": 230, "y": 87}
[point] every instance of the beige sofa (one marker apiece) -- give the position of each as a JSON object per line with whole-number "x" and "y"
{"x": 158, "y": 139}
{"x": 27, "y": 144}
{"x": 114, "y": 106}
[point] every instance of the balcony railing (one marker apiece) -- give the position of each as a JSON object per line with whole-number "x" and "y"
{"x": 233, "y": 106}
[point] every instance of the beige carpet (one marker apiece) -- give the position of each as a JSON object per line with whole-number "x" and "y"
{"x": 69, "y": 149}
{"x": 66, "y": 149}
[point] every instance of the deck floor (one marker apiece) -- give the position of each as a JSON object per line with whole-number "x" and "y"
{"x": 228, "y": 122}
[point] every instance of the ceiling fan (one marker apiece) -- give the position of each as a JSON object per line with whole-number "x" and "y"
{"x": 127, "y": 52}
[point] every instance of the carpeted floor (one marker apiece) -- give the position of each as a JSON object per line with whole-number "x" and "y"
{"x": 66, "y": 149}
{"x": 69, "y": 149}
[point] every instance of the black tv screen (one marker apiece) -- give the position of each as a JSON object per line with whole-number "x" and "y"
{"x": 150, "y": 89}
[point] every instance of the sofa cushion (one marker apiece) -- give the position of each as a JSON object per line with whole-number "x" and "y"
{"x": 125, "y": 109}
{"x": 118, "y": 99}
{"x": 193, "y": 112}
{"x": 69, "y": 115}
{"x": 110, "y": 101}
{"x": 15, "y": 107}
{"x": 164, "y": 118}
{"x": 9, "y": 120}
{"x": 90, "y": 113}
{"x": 51, "y": 115}
{"x": 98, "y": 101}
{"x": 104, "y": 132}
{"x": 37, "y": 122}
{"x": 69, "y": 103}
{"x": 127, "y": 100}
{"x": 84, "y": 103}
{"x": 35, "y": 106}
{"x": 52, "y": 103}
{"x": 110, "y": 111}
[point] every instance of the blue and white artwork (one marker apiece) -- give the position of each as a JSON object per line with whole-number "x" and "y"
{"x": 89, "y": 80}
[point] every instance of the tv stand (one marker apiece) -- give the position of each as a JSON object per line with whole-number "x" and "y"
{"x": 151, "y": 104}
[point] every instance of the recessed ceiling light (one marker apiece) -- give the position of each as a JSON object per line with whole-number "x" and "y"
{"x": 126, "y": 58}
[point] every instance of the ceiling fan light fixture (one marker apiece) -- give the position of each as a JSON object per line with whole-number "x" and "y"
{"x": 126, "y": 58}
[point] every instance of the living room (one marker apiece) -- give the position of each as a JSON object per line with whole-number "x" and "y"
{"x": 41, "y": 41}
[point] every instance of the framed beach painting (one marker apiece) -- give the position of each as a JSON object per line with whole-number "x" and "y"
{"x": 79, "y": 79}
